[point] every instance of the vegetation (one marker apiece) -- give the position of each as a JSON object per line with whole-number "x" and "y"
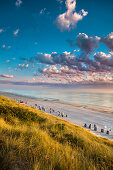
{"x": 33, "y": 140}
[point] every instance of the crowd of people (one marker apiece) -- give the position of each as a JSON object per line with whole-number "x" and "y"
{"x": 51, "y": 110}
{"x": 61, "y": 114}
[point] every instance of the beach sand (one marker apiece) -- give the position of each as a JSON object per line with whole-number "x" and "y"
{"x": 76, "y": 114}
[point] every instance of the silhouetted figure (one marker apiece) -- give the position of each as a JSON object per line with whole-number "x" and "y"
{"x": 50, "y": 110}
{"x": 90, "y": 126}
{"x": 43, "y": 109}
{"x": 58, "y": 113}
{"x": 85, "y": 125}
{"x": 39, "y": 108}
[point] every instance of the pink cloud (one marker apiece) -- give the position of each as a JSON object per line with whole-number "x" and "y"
{"x": 6, "y": 47}
{"x": 6, "y": 76}
{"x": 1, "y": 30}
{"x": 7, "y": 61}
{"x": 3, "y": 46}
{"x": 18, "y": 3}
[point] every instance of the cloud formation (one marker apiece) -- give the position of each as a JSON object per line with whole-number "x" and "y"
{"x": 22, "y": 66}
{"x": 108, "y": 41}
{"x": 87, "y": 44}
{"x": 6, "y": 76}
{"x": 54, "y": 58}
{"x": 73, "y": 67}
{"x": 105, "y": 61}
{"x": 66, "y": 75}
{"x": 69, "y": 19}
{"x": 69, "y": 68}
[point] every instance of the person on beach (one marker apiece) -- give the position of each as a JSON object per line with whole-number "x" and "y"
{"x": 62, "y": 114}
{"x": 43, "y": 109}
{"x": 50, "y": 110}
{"x": 58, "y": 113}
{"x": 90, "y": 126}
{"x": 39, "y": 108}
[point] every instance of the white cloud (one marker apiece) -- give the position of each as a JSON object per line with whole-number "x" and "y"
{"x": 69, "y": 19}
{"x": 16, "y": 32}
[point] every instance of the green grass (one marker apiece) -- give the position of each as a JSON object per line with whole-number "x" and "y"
{"x": 33, "y": 140}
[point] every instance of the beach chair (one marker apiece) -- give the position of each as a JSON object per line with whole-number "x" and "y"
{"x": 85, "y": 125}
{"x": 102, "y": 130}
{"x": 107, "y": 132}
{"x": 95, "y": 128}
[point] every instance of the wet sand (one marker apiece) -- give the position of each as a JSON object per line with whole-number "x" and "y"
{"x": 77, "y": 114}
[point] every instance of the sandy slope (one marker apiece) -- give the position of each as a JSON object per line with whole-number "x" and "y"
{"x": 76, "y": 113}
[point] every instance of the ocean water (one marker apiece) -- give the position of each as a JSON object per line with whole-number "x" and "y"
{"x": 96, "y": 98}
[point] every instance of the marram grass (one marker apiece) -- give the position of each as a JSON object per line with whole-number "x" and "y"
{"x": 33, "y": 140}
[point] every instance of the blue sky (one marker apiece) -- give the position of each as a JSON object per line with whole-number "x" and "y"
{"x": 31, "y": 27}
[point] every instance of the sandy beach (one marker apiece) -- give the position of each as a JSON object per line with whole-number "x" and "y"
{"x": 76, "y": 114}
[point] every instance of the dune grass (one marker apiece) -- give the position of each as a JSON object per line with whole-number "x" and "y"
{"x": 33, "y": 140}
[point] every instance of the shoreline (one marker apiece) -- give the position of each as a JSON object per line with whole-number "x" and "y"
{"x": 76, "y": 114}
{"x": 86, "y": 107}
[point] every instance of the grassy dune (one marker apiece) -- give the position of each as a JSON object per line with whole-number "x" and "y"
{"x": 33, "y": 140}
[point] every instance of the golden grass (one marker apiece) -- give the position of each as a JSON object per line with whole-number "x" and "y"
{"x": 33, "y": 140}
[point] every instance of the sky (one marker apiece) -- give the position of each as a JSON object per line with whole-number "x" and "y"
{"x": 56, "y": 42}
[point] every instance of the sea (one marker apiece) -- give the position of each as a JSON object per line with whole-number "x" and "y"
{"x": 102, "y": 98}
